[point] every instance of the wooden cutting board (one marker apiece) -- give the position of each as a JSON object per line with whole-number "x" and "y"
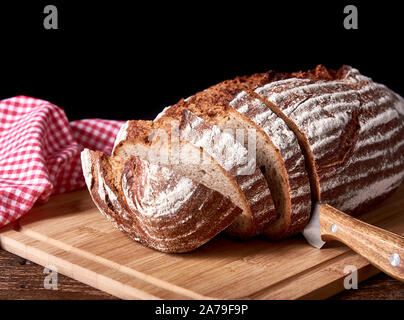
{"x": 70, "y": 234}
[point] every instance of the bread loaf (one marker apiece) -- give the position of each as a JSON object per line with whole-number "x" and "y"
{"x": 338, "y": 119}
{"x": 321, "y": 135}
{"x": 153, "y": 205}
{"x": 229, "y": 106}
{"x": 351, "y": 130}
{"x": 202, "y": 152}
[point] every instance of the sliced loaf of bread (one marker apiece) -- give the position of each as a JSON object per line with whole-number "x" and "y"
{"x": 154, "y": 205}
{"x": 230, "y": 106}
{"x": 293, "y": 190}
{"x": 322, "y": 135}
{"x": 198, "y": 150}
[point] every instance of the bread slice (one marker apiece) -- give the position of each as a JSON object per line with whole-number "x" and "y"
{"x": 351, "y": 130}
{"x": 153, "y": 205}
{"x": 295, "y": 200}
{"x": 279, "y": 156}
{"x": 202, "y": 152}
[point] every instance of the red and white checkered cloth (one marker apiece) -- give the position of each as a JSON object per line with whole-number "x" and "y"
{"x": 40, "y": 152}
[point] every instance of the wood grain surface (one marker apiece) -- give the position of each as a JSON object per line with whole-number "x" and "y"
{"x": 68, "y": 232}
{"x": 22, "y": 279}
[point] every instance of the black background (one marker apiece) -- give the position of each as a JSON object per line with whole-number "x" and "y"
{"x": 120, "y": 61}
{"x": 257, "y": 309}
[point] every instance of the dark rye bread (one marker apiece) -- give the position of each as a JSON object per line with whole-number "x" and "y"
{"x": 351, "y": 129}
{"x": 195, "y": 149}
{"x": 153, "y": 205}
{"x": 278, "y": 153}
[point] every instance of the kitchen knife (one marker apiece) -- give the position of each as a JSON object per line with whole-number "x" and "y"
{"x": 382, "y": 248}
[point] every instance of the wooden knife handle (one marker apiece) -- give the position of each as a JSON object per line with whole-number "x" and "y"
{"x": 383, "y": 249}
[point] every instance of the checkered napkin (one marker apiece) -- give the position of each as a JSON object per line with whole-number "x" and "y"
{"x": 40, "y": 152}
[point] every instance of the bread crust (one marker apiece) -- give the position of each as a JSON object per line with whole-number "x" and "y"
{"x": 216, "y": 104}
{"x": 153, "y": 205}
{"x": 353, "y": 130}
{"x": 296, "y": 213}
{"x": 330, "y": 169}
{"x": 336, "y": 137}
{"x": 252, "y": 186}
{"x": 255, "y": 198}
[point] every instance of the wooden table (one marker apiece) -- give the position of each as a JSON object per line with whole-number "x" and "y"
{"x": 22, "y": 279}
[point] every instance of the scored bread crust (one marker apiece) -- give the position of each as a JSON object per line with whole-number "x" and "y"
{"x": 229, "y": 155}
{"x": 153, "y": 205}
{"x": 229, "y": 105}
{"x": 296, "y": 211}
{"x": 351, "y": 128}
{"x": 345, "y": 175}
{"x": 249, "y": 191}
{"x": 334, "y": 136}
